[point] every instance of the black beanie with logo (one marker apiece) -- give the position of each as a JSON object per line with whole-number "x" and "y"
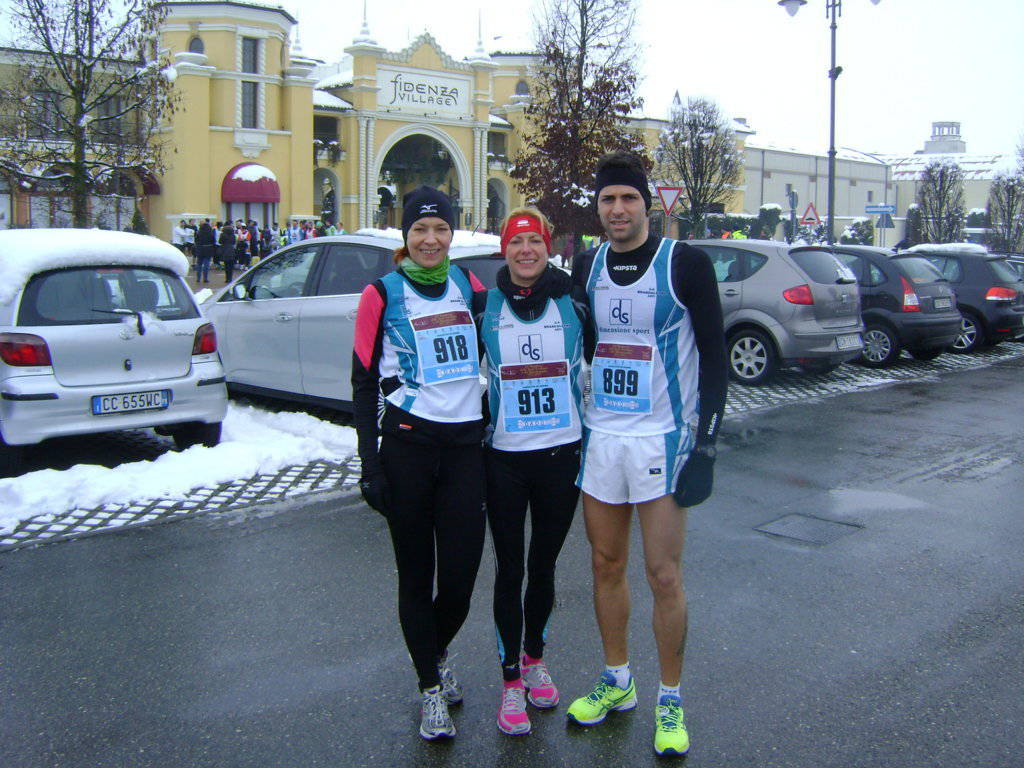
{"x": 423, "y": 202}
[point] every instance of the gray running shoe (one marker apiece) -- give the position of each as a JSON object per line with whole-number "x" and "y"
{"x": 435, "y": 722}
{"x": 450, "y": 686}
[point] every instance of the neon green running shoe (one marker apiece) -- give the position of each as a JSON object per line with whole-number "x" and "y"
{"x": 606, "y": 697}
{"x": 670, "y": 736}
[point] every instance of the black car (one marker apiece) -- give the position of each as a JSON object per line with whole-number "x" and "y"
{"x": 484, "y": 266}
{"x": 989, "y": 292}
{"x": 905, "y": 304}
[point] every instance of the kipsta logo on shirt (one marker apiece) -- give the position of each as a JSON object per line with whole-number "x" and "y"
{"x": 428, "y": 208}
{"x": 530, "y": 348}
{"x": 620, "y": 312}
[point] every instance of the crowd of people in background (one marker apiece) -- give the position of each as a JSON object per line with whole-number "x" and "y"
{"x": 231, "y": 245}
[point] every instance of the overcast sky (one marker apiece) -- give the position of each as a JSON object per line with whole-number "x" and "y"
{"x": 906, "y": 62}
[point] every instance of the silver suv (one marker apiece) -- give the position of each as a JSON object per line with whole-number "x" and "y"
{"x": 99, "y": 332}
{"x": 784, "y": 305}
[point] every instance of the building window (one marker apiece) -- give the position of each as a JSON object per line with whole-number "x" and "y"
{"x": 195, "y": 45}
{"x": 109, "y": 122}
{"x": 522, "y": 89}
{"x": 250, "y": 55}
{"x": 45, "y": 120}
{"x": 496, "y": 146}
{"x": 325, "y": 128}
{"x": 789, "y": 190}
{"x": 250, "y": 105}
{"x": 871, "y": 195}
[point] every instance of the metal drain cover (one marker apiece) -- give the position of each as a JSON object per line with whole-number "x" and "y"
{"x": 812, "y": 530}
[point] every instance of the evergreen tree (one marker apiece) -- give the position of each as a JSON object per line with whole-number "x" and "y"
{"x": 1006, "y": 212}
{"x": 940, "y": 200}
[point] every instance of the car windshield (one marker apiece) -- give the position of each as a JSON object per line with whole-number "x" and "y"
{"x": 918, "y": 270}
{"x": 1003, "y": 271}
{"x": 89, "y": 295}
{"x": 822, "y": 266}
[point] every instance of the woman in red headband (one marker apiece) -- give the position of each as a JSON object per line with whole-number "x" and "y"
{"x": 533, "y": 336}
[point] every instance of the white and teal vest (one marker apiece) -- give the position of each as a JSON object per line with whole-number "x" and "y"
{"x": 430, "y": 345}
{"x": 534, "y": 371}
{"x": 645, "y": 367}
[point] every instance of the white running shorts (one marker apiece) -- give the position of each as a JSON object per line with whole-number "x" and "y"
{"x": 617, "y": 469}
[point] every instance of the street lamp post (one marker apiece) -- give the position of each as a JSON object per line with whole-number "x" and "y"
{"x": 833, "y": 10}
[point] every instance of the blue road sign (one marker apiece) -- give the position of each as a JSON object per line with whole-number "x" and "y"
{"x": 890, "y": 209}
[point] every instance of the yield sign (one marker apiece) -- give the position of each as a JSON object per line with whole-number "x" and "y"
{"x": 669, "y": 197}
{"x": 810, "y": 217}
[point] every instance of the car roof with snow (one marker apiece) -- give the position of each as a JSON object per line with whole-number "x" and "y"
{"x": 26, "y": 252}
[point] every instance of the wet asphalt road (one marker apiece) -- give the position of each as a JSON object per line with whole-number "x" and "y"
{"x": 268, "y": 637}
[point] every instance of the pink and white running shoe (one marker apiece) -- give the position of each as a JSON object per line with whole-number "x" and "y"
{"x": 542, "y": 691}
{"x": 512, "y": 717}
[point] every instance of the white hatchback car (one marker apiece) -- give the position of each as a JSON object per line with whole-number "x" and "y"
{"x": 99, "y": 332}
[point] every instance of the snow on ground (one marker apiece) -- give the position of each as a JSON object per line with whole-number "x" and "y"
{"x": 254, "y": 442}
{"x": 462, "y": 237}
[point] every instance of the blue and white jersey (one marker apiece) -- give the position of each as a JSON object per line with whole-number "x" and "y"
{"x": 430, "y": 345}
{"x": 645, "y": 368}
{"x": 534, "y": 371}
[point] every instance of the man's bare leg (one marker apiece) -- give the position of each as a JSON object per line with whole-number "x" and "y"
{"x": 663, "y": 525}
{"x": 608, "y": 532}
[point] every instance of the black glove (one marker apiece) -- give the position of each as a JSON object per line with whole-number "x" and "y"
{"x": 376, "y": 492}
{"x": 696, "y": 477}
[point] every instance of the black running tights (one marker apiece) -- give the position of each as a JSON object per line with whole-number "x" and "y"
{"x": 543, "y": 480}
{"x": 437, "y": 527}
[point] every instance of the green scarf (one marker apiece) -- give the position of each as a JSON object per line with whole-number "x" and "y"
{"x": 426, "y": 275}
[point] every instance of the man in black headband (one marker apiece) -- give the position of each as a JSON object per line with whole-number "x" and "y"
{"x": 658, "y": 384}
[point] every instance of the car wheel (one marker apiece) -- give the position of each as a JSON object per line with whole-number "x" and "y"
{"x": 752, "y": 358}
{"x": 881, "y": 347}
{"x": 196, "y": 433}
{"x": 926, "y": 354}
{"x": 972, "y": 335}
{"x": 10, "y": 459}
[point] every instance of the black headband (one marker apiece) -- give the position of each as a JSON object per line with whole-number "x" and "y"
{"x": 620, "y": 174}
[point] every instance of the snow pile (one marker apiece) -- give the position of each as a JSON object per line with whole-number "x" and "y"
{"x": 328, "y": 100}
{"x": 948, "y": 248}
{"x": 254, "y": 442}
{"x": 24, "y": 252}
{"x": 771, "y": 207}
{"x": 253, "y": 172}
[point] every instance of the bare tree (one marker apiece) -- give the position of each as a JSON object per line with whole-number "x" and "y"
{"x": 584, "y": 91}
{"x": 940, "y": 200}
{"x": 1006, "y": 212}
{"x": 88, "y": 95}
{"x": 698, "y": 152}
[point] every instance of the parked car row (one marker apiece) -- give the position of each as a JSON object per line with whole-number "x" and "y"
{"x": 100, "y": 332}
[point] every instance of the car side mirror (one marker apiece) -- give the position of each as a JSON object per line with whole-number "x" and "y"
{"x": 239, "y": 291}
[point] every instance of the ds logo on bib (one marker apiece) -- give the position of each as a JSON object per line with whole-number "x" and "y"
{"x": 621, "y": 311}
{"x": 530, "y": 348}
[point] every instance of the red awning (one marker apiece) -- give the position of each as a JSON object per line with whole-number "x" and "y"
{"x": 250, "y": 183}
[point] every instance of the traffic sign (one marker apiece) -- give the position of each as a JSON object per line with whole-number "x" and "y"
{"x": 810, "y": 217}
{"x": 890, "y": 209}
{"x": 885, "y": 221}
{"x": 669, "y": 196}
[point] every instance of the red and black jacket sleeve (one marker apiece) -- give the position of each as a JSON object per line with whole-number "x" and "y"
{"x": 366, "y": 352}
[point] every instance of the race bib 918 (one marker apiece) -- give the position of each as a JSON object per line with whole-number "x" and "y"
{"x": 446, "y": 346}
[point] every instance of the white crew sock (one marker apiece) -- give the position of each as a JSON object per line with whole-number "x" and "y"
{"x": 621, "y": 675}
{"x": 668, "y": 690}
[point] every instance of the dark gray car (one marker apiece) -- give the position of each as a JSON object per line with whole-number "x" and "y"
{"x": 784, "y": 305}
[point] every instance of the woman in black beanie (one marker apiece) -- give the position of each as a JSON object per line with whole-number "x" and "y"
{"x": 416, "y": 343}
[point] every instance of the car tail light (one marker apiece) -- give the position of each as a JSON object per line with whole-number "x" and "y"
{"x": 998, "y": 293}
{"x": 24, "y": 349}
{"x": 206, "y": 340}
{"x": 910, "y": 301}
{"x": 799, "y": 294}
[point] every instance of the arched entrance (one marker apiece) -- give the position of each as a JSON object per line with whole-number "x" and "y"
{"x": 415, "y": 155}
{"x": 326, "y": 193}
{"x": 497, "y": 204}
